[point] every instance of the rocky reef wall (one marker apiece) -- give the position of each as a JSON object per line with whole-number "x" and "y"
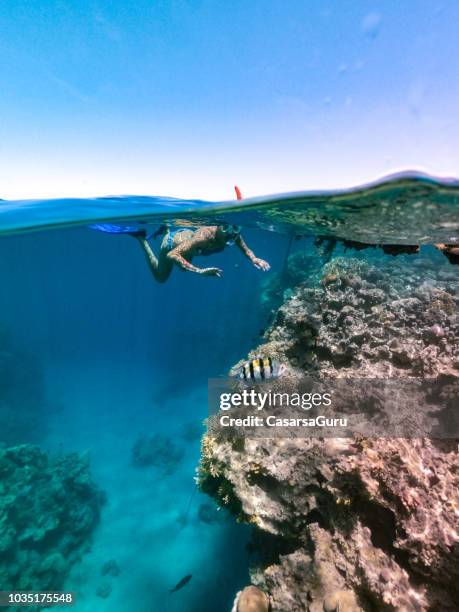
{"x": 359, "y": 523}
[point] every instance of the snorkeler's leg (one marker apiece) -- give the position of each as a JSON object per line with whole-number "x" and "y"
{"x": 161, "y": 267}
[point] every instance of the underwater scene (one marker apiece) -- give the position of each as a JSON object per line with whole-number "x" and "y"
{"x": 115, "y": 313}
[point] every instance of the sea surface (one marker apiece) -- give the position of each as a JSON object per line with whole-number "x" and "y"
{"x": 122, "y": 358}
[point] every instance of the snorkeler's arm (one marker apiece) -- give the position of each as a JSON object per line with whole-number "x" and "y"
{"x": 261, "y": 264}
{"x": 189, "y": 247}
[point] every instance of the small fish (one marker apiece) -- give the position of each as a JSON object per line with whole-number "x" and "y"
{"x": 261, "y": 368}
{"x": 185, "y": 580}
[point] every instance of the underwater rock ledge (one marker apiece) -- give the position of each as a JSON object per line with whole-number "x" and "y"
{"x": 369, "y": 524}
{"x": 49, "y": 508}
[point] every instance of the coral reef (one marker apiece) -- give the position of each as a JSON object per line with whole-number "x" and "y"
{"x": 366, "y": 321}
{"x": 158, "y": 451}
{"x": 49, "y": 508}
{"x": 278, "y": 287}
{"x": 23, "y": 404}
{"x": 366, "y": 523}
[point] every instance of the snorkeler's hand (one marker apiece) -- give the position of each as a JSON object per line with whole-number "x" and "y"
{"x": 211, "y": 272}
{"x": 261, "y": 264}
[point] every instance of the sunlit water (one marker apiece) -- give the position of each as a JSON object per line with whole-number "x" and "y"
{"x": 124, "y": 357}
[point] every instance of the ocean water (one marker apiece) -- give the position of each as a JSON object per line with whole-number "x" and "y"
{"x": 101, "y": 356}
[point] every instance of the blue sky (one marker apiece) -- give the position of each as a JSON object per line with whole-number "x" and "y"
{"x": 188, "y": 98}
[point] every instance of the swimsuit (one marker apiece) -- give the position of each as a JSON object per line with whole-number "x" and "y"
{"x": 171, "y": 234}
{"x": 204, "y": 251}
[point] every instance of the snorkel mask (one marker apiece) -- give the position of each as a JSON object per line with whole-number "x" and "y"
{"x": 231, "y": 233}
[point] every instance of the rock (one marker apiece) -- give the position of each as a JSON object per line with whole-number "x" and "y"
{"x": 252, "y": 599}
{"x": 434, "y": 333}
{"x": 404, "y": 355}
{"x": 372, "y": 296}
{"x": 369, "y": 523}
{"x": 341, "y": 601}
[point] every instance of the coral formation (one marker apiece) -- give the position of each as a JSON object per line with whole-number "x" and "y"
{"x": 366, "y": 321}
{"x": 277, "y": 287}
{"x": 23, "y": 404}
{"x": 251, "y": 599}
{"x": 49, "y": 508}
{"x": 158, "y": 451}
{"x": 367, "y": 523}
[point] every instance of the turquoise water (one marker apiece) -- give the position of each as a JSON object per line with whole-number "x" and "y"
{"x": 98, "y": 355}
{"x": 399, "y": 208}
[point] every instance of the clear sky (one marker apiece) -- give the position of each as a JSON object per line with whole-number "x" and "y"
{"x": 186, "y": 98}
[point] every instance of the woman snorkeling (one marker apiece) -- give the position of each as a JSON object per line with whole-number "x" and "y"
{"x": 181, "y": 244}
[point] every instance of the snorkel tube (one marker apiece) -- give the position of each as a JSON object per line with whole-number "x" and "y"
{"x": 233, "y": 231}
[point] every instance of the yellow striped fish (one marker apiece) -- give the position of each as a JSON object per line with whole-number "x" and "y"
{"x": 261, "y": 368}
